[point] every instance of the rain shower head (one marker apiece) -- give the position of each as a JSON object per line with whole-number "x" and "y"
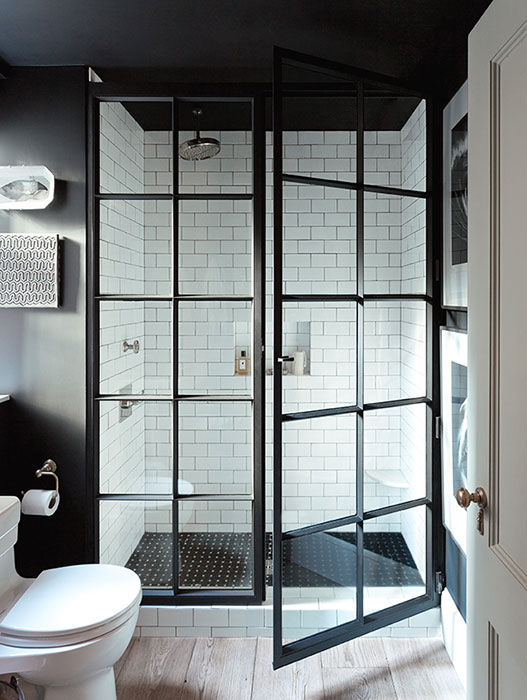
{"x": 201, "y": 147}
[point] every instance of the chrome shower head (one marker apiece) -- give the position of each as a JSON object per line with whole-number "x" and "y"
{"x": 201, "y": 147}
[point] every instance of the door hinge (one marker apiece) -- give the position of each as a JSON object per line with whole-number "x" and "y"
{"x": 438, "y": 427}
{"x": 440, "y": 582}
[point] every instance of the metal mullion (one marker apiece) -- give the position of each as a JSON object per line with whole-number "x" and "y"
{"x": 398, "y": 297}
{"x": 258, "y": 290}
{"x": 396, "y": 403}
{"x": 137, "y": 197}
{"x": 396, "y": 191}
{"x": 346, "y": 185}
{"x": 140, "y": 398}
{"x": 277, "y": 368}
{"x": 355, "y": 297}
{"x": 176, "y": 297}
{"x": 93, "y": 333}
{"x": 215, "y": 297}
{"x": 352, "y": 298}
{"x": 396, "y": 508}
{"x": 435, "y": 530}
{"x": 134, "y": 297}
{"x": 215, "y": 397}
{"x": 215, "y": 195}
{"x": 135, "y": 497}
{"x": 319, "y": 181}
{"x": 359, "y": 427}
{"x": 175, "y": 344}
{"x": 320, "y": 527}
{"x": 214, "y": 497}
{"x": 319, "y": 413}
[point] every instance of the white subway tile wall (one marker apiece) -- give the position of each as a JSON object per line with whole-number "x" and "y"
{"x": 215, "y": 250}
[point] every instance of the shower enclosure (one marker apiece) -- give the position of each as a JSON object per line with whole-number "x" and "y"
{"x": 324, "y": 184}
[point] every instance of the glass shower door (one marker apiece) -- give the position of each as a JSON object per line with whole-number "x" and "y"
{"x": 355, "y": 530}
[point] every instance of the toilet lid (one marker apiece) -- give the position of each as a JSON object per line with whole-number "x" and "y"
{"x": 72, "y": 599}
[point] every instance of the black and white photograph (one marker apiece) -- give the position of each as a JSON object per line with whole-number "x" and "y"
{"x": 455, "y": 200}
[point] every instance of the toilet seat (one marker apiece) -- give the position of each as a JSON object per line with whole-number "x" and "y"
{"x": 70, "y": 605}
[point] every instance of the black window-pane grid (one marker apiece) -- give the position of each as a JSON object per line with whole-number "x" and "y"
{"x": 175, "y": 196}
{"x": 360, "y": 298}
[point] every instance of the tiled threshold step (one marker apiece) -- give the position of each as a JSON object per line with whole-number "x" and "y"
{"x": 223, "y": 560}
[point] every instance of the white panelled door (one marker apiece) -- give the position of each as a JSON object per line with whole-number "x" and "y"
{"x": 497, "y": 561}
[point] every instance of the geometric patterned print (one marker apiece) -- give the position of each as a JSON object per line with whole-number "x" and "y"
{"x": 29, "y": 270}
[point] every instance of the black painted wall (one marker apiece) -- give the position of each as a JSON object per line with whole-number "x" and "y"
{"x": 42, "y": 352}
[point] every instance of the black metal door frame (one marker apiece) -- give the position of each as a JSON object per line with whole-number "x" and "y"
{"x": 107, "y": 92}
{"x": 284, "y": 654}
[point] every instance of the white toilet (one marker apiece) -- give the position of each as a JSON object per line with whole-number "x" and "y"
{"x": 64, "y": 630}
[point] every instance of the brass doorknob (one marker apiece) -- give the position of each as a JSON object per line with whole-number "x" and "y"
{"x": 464, "y": 498}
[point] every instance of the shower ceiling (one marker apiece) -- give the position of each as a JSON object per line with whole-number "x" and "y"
{"x": 421, "y": 41}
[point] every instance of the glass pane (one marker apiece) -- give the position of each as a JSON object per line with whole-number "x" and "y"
{"x": 394, "y": 244}
{"x": 138, "y": 535}
{"x": 135, "y": 447}
{"x": 215, "y": 347}
{"x": 394, "y": 559}
{"x": 215, "y": 447}
{"x": 319, "y": 582}
{"x": 394, "y": 140}
{"x": 321, "y": 336}
{"x": 135, "y": 152}
{"x": 394, "y": 455}
{"x": 135, "y": 247}
{"x": 215, "y": 247}
{"x": 319, "y": 470}
{"x": 319, "y": 129}
{"x": 319, "y": 240}
{"x": 394, "y": 350}
{"x": 135, "y": 347}
{"x": 215, "y": 544}
{"x": 229, "y": 171}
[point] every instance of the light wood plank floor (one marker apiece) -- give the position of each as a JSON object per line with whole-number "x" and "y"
{"x": 240, "y": 669}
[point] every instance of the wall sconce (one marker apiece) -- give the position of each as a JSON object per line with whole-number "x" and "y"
{"x": 26, "y": 187}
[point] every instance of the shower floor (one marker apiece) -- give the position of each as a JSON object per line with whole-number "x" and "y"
{"x": 223, "y": 560}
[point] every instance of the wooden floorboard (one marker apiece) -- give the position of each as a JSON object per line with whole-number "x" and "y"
{"x": 301, "y": 681}
{"x": 156, "y": 668}
{"x": 422, "y": 669}
{"x": 240, "y": 669}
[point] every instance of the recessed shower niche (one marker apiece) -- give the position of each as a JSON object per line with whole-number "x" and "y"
{"x": 182, "y": 248}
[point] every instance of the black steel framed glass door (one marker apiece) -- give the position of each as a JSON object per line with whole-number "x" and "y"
{"x": 356, "y": 540}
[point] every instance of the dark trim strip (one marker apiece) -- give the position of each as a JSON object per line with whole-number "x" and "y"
{"x": 173, "y": 497}
{"x": 396, "y": 508}
{"x": 345, "y": 185}
{"x": 320, "y": 527}
{"x": 180, "y": 297}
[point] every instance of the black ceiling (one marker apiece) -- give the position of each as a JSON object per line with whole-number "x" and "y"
{"x": 423, "y": 41}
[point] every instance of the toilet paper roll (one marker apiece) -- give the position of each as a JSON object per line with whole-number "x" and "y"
{"x": 37, "y": 502}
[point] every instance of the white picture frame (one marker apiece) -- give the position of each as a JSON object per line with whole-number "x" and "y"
{"x": 455, "y": 200}
{"x": 454, "y": 438}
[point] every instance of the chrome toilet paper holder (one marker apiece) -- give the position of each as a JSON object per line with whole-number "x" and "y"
{"x": 48, "y": 469}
